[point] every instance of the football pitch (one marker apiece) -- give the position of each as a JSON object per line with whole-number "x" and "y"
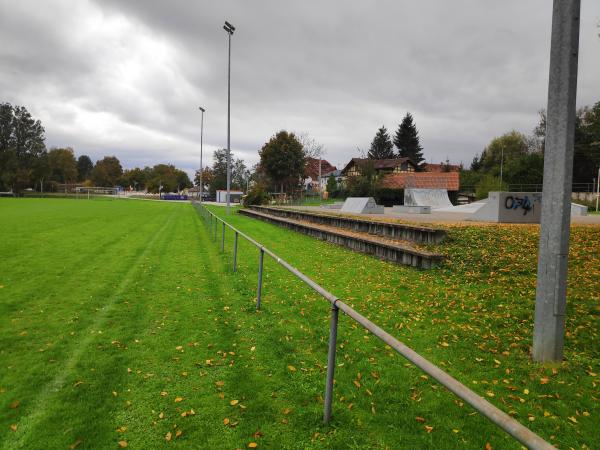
{"x": 123, "y": 325}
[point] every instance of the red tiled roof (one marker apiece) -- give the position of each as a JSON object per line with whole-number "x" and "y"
{"x": 378, "y": 164}
{"x": 437, "y": 168}
{"x": 312, "y": 168}
{"x": 422, "y": 180}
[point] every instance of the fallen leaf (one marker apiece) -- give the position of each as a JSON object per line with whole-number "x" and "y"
{"x": 13, "y": 427}
{"x": 122, "y": 444}
{"x": 168, "y": 436}
{"x": 488, "y": 446}
{"x": 15, "y": 404}
{"x": 75, "y": 444}
{"x": 163, "y": 394}
{"x": 291, "y": 368}
{"x": 420, "y": 419}
{"x": 178, "y": 399}
{"x": 225, "y": 421}
{"x": 252, "y": 445}
{"x": 428, "y": 428}
{"x": 178, "y": 433}
{"x": 234, "y": 402}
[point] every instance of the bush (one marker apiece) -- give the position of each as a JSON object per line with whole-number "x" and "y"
{"x": 489, "y": 183}
{"x": 257, "y": 195}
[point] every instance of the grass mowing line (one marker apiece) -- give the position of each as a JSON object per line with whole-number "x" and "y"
{"x": 57, "y": 383}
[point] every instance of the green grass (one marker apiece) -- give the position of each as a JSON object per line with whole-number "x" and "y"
{"x": 110, "y": 311}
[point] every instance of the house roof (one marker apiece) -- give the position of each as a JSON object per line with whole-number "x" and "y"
{"x": 422, "y": 180}
{"x": 312, "y": 168}
{"x": 379, "y": 164}
{"x": 428, "y": 167}
{"x": 335, "y": 173}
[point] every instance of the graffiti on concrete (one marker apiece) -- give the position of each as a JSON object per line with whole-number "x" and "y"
{"x": 515, "y": 202}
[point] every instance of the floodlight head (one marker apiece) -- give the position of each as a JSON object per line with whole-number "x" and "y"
{"x": 201, "y": 108}
{"x": 230, "y": 26}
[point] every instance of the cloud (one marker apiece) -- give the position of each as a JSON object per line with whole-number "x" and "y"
{"x": 126, "y": 78}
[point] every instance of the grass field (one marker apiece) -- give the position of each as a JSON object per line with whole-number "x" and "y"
{"x": 122, "y": 323}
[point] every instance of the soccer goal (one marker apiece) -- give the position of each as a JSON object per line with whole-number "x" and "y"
{"x": 84, "y": 192}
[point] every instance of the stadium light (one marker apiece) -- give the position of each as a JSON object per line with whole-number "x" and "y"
{"x": 229, "y": 29}
{"x": 201, "y": 133}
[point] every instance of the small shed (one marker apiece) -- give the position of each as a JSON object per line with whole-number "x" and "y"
{"x": 234, "y": 196}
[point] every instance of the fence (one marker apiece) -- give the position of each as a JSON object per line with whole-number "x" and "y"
{"x": 498, "y": 417}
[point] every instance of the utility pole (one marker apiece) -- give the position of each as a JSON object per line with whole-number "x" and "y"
{"x": 201, "y": 133}
{"x": 598, "y": 189}
{"x": 551, "y": 293}
{"x": 229, "y": 29}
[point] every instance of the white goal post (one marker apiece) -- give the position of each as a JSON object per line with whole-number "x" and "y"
{"x": 94, "y": 191}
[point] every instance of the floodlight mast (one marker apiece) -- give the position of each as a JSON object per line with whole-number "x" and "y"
{"x": 201, "y": 133}
{"x": 551, "y": 292}
{"x": 229, "y": 29}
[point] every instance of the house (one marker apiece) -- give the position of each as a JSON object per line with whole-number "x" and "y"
{"x": 337, "y": 174}
{"x": 449, "y": 181}
{"x": 381, "y": 166}
{"x": 438, "y": 168}
{"x": 311, "y": 173}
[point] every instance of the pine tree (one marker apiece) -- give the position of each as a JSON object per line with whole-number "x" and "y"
{"x": 406, "y": 140}
{"x": 381, "y": 147}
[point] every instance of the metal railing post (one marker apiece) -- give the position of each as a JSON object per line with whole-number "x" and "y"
{"x": 235, "y": 245}
{"x": 330, "y": 363}
{"x": 260, "y": 274}
{"x": 223, "y": 236}
{"x": 215, "y": 229}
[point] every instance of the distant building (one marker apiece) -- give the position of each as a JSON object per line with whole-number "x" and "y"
{"x": 423, "y": 180}
{"x": 381, "y": 166}
{"x": 234, "y": 196}
{"x": 311, "y": 173}
{"x": 437, "y": 168}
{"x": 337, "y": 174}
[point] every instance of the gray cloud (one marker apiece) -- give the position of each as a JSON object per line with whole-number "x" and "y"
{"x": 126, "y": 78}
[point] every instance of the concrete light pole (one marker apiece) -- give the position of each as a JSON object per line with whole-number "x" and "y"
{"x": 551, "y": 293}
{"x": 229, "y": 29}
{"x": 201, "y": 133}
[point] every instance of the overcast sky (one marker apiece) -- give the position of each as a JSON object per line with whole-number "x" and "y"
{"x": 125, "y": 78}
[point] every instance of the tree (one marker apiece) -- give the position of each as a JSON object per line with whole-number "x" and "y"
{"x": 239, "y": 173}
{"x": 21, "y": 144}
{"x": 406, "y": 140}
{"x": 207, "y": 177}
{"x": 283, "y": 160}
{"x": 332, "y": 185}
{"x": 381, "y": 146}
{"x": 84, "y": 167}
{"x": 107, "y": 171}
{"x": 312, "y": 149}
{"x": 510, "y": 146}
{"x": 63, "y": 165}
{"x": 219, "y": 171}
{"x": 587, "y": 144}
{"x": 134, "y": 178}
{"x": 169, "y": 177}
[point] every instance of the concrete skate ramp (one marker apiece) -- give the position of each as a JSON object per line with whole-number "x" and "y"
{"x": 361, "y": 205}
{"x": 435, "y": 198}
{"x": 467, "y": 208}
{"x": 516, "y": 207}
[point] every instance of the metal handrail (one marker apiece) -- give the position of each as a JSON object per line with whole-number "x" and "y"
{"x": 497, "y": 416}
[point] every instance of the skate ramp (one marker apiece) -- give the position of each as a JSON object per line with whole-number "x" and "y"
{"x": 361, "y": 205}
{"x": 435, "y": 198}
